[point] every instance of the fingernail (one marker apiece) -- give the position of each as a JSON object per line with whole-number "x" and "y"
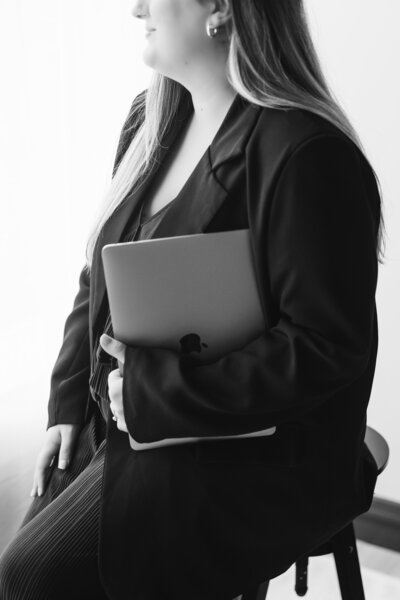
{"x": 40, "y": 492}
{"x": 33, "y": 493}
{"x": 62, "y": 464}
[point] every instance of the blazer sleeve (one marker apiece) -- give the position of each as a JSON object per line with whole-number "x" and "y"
{"x": 317, "y": 248}
{"x": 69, "y": 383}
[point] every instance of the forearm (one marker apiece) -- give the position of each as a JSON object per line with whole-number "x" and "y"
{"x": 318, "y": 250}
{"x": 274, "y": 379}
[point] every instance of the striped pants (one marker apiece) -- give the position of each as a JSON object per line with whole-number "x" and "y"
{"x": 54, "y": 554}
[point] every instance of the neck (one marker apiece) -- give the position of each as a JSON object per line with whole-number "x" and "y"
{"x": 210, "y": 102}
{"x": 210, "y": 90}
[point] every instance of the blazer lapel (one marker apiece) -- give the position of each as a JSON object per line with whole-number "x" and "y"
{"x": 200, "y": 198}
{"x": 113, "y": 229}
{"x": 204, "y": 192}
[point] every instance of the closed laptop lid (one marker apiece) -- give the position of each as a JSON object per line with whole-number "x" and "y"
{"x": 192, "y": 293}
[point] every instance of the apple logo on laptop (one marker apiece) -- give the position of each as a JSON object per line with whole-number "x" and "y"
{"x": 191, "y": 342}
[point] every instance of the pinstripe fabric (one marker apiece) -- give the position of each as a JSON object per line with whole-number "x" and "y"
{"x": 59, "y": 558}
{"x": 54, "y": 554}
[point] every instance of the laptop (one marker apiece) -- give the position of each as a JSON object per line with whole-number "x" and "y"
{"x": 196, "y": 294}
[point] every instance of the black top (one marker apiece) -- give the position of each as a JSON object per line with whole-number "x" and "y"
{"x": 103, "y": 363}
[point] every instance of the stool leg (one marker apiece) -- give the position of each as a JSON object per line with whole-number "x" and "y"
{"x": 256, "y": 593}
{"x": 347, "y": 564}
{"x": 301, "y": 576}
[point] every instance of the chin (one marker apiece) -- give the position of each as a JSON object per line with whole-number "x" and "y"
{"x": 149, "y": 59}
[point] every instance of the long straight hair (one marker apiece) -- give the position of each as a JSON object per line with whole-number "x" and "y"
{"x": 271, "y": 62}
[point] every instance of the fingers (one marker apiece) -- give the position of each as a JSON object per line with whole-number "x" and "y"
{"x": 116, "y": 412}
{"x": 60, "y": 439}
{"x": 114, "y": 378}
{"x": 67, "y": 445}
{"x": 43, "y": 462}
{"x": 121, "y": 425}
{"x": 115, "y": 383}
{"x": 114, "y": 348}
{"x": 119, "y": 418}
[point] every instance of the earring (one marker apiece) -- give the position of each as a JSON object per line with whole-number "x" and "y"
{"x": 212, "y": 31}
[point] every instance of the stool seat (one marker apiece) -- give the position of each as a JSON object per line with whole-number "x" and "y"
{"x": 378, "y": 447}
{"x": 342, "y": 545}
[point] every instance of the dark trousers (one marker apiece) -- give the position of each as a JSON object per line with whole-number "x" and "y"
{"x": 54, "y": 554}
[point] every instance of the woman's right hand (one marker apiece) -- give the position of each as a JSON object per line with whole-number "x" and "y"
{"x": 59, "y": 439}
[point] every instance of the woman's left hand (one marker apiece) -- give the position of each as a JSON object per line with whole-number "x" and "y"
{"x": 115, "y": 379}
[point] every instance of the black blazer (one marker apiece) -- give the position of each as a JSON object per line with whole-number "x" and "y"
{"x": 205, "y": 520}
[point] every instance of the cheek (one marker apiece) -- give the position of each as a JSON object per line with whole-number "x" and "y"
{"x": 179, "y": 23}
{"x": 182, "y": 44}
{"x": 180, "y": 36}
{"x": 166, "y": 12}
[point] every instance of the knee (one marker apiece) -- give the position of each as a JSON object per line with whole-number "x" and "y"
{"x": 15, "y": 570}
{"x": 8, "y": 574}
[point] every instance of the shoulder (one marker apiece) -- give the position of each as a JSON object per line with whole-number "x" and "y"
{"x": 296, "y": 136}
{"x": 299, "y": 151}
{"x": 288, "y": 130}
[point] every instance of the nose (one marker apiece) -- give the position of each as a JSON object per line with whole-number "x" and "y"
{"x": 139, "y": 9}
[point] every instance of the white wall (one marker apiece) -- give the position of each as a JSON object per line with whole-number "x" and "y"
{"x": 69, "y": 73}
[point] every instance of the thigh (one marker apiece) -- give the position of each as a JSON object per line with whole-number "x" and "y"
{"x": 88, "y": 444}
{"x": 54, "y": 555}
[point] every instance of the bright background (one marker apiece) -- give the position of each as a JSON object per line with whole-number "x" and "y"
{"x": 69, "y": 72}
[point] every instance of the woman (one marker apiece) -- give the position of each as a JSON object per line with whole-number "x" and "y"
{"x": 236, "y": 130}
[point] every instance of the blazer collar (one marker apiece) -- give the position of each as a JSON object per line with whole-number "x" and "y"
{"x": 203, "y": 191}
{"x": 228, "y": 143}
{"x": 231, "y": 137}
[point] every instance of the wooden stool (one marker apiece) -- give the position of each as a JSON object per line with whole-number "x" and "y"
{"x": 342, "y": 545}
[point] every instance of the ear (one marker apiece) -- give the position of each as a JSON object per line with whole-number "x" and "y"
{"x": 221, "y": 14}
